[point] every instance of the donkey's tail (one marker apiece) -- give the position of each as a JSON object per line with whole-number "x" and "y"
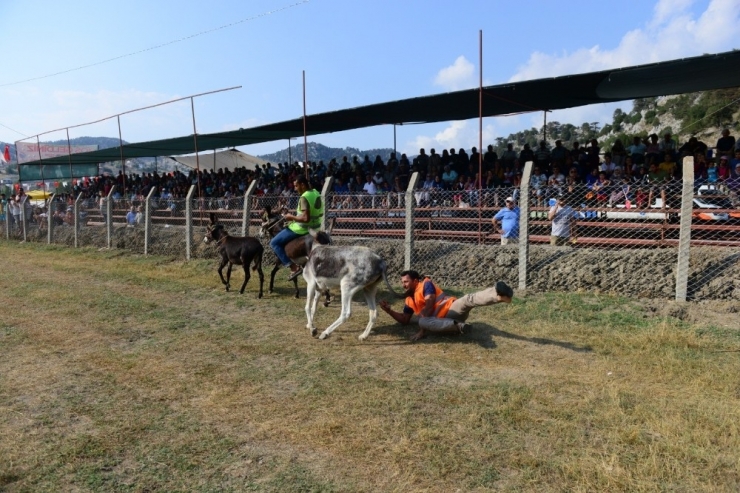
{"x": 390, "y": 288}
{"x": 257, "y": 263}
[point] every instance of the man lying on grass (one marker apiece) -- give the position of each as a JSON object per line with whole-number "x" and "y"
{"x": 438, "y": 313}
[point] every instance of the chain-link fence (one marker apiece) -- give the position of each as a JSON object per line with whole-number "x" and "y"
{"x": 622, "y": 237}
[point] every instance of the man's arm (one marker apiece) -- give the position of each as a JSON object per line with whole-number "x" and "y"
{"x": 400, "y": 317}
{"x": 303, "y": 218}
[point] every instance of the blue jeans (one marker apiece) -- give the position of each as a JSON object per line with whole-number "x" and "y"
{"x": 278, "y": 245}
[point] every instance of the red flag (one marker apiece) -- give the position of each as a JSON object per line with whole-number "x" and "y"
{"x": 6, "y": 154}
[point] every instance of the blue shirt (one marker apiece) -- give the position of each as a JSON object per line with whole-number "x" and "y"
{"x": 509, "y": 222}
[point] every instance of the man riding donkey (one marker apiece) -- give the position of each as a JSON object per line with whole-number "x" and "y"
{"x": 308, "y": 216}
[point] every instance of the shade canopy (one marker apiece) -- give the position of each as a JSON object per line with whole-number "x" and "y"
{"x": 228, "y": 159}
{"x": 694, "y": 74}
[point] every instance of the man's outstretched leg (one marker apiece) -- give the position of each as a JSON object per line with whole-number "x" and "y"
{"x": 460, "y": 308}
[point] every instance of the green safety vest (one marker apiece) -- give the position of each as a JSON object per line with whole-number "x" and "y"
{"x": 315, "y": 213}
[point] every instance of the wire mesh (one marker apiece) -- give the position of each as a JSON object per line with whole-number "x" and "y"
{"x": 604, "y": 236}
{"x": 714, "y": 266}
{"x": 620, "y": 237}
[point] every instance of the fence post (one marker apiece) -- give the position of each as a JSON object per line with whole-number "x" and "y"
{"x": 524, "y": 226}
{"x": 109, "y": 216}
{"x": 325, "y": 190}
{"x": 77, "y": 219}
{"x": 188, "y": 222}
{"x": 408, "y": 239}
{"x": 24, "y": 219}
{"x": 684, "y": 238}
{"x": 148, "y": 220}
{"x": 49, "y": 221}
{"x": 6, "y": 209}
{"x": 247, "y": 209}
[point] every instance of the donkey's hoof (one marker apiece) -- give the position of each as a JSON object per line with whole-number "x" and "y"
{"x": 323, "y": 336}
{"x": 314, "y": 331}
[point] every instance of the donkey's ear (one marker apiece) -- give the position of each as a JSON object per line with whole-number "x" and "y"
{"x": 213, "y": 218}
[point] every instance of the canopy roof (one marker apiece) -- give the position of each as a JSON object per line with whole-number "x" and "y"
{"x": 700, "y": 73}
{"x": 228, "y": 159}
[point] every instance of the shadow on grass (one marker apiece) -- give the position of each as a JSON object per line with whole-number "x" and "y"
{"x": 480, "y": 333}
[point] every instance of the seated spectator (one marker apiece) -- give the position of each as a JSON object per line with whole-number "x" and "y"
{"x": 621, "y": 192}
{"x": 712, "y": 173}
{"x": 538, "y": 184}
{"x": 601, "y": 187}
{"x": 723, "y": 170}
{"x": 449, "y": 177}
{"x": 733, "y": 164}
{"x": 668, "y": 166}
{"x": 139, "y": 219}
{"x": 340, "y": 188}
{"x": 608, "y": 166}
{"x": 555, "y": 182}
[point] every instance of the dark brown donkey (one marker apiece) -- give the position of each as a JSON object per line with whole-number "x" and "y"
{"x": 297, "y": 250}
{"x": 239, "y": 250}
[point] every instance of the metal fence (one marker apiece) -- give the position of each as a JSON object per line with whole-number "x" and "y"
{"x": 674, "y": 239}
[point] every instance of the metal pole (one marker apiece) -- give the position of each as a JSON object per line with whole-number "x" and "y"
{"x": 480, "y": 137}
{"x": 394, "y": 139}
{"x": 195, "y": 142}
{"x": 524, "y": 226}
{"x": 544, "y": 126}
{"x": 290, "y": 155}
{"x": 69, "y": 154}
{"x": 123, "y": 163}
{"x": 305, "y": 139}
{"x": 38, "y": 148}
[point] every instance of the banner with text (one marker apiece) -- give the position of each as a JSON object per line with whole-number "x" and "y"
{"x": 30, "y": 152}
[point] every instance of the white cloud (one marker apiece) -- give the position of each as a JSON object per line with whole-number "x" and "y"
{"x": 459, "y": 75}
{"x": 671, "y": 33}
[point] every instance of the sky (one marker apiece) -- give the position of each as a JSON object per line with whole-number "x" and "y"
{"x": 70, "y": 63}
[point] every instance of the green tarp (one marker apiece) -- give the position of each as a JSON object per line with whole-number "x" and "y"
{"x": 658, "y": 79}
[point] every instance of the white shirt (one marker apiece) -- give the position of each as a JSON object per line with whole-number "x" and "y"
{"x": 370, "y": 188}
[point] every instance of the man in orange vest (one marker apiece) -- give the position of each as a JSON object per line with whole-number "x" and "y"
{"x": 436, "y": 312}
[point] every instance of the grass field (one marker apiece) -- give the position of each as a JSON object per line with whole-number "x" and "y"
{"x": 126, "y": 373}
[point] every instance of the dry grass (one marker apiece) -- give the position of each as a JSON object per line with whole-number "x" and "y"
{"x": 124, "y": 373}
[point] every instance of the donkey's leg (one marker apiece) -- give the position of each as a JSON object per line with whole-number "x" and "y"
{"x": 311, "y": 298}
{"x": 220, "y": 273}
{"x": 370, "y": 292}
{"x": 245, "y": 263}
{"x": 258, "y": 265}
{"x": 272, "y": 275}
{"x": 347, "y": 293}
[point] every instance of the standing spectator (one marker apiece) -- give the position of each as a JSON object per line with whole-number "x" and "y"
{"x": 652, "y": 149}
{"x": 559, "y": 153}
{"x": 668, "y": 145}
{"x": 489, "y": 158}
{"x": 593, "y": 154}
{"x": 618, "y": 153}
{"x": 637, "y": 151}
{"x": 542, "y": 157}
{"x": 422, "y": 160}
{"x": 131, "y": 217}
{"x": 725, "y": 144}
{"x": 527, "y": 154}
{"x": 506, "y": 222}
{"x": 509, "y": 155}
{"x": 562, "y": 216}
